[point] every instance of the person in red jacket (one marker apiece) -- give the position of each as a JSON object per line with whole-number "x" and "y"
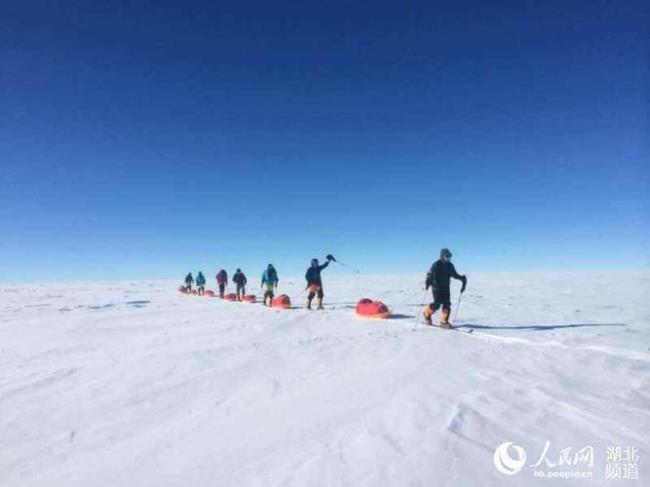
{"x": 222, "y": 281}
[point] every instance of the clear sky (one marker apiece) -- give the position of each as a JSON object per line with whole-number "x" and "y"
{"x": 147, "y": 140}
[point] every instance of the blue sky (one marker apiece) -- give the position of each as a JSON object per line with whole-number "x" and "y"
{"x": 145, "y": 140}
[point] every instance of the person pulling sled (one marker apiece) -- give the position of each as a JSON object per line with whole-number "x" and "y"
{"x": 269, "y": 283}
{"x": 314, "y": 282}
{"x": 189, "y": 280}
{"x": 222, "y": 282}
{"x": 438, "y": 279}
{"x": 240, "y": 280}
{"x": 200, "y": 283}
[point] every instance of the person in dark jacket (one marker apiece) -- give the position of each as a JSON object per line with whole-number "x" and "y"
{"x": 240, "y": 280}
{"x": 222, "y": 281}
{"x": 189, "y": 280}
{"x": 438, "y": 279}
{"x": 269, "y": 283}
{"x": 314, "y": 282}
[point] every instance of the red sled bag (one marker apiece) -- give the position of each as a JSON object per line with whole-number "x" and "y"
{"x": 367, "y": 308}
{"x": 281, "y": 301}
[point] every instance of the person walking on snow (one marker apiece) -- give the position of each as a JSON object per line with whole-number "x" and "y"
{"x": 240, "y": 280}
{"x": 200, "y": 283}
{"x": 438, "y": 278}
{"x": 189, "y": 280}
{"x": 314, "y": 283}
{"x": 269, "y": 282}
{"x": 222, "y": 281}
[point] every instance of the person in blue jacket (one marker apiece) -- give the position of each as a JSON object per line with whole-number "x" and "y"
{"x": 269, "y": 283}
{"x": 200, "y": 283}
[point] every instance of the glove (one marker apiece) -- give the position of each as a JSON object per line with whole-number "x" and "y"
{"x": 428, "y": 282}
{"x": 330, "y": 257}
{"x": 462, "y": 289}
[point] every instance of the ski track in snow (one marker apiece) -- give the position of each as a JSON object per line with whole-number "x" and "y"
{"x": 132, "y": 383}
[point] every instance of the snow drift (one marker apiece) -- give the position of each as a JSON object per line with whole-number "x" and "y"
{"x": 133, "y": 383}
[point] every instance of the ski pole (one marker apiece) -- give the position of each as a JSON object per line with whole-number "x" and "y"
{"x": 356, "y": 271}
{"x": 458, "y": 307}
{"x": 331, "y": 258}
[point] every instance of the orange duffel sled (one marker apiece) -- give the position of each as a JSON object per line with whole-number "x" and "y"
{"x": 281, "y": 301}
{"x": 367, "y": 308}
{"x": 208, "y": 293}
{"x": 249, "y": 298}
{"x": 230, "y": 297}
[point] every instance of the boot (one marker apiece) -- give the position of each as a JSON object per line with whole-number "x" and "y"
{"x": 308, "y": 304}
{"x": 427, "y": 312}
{"x": 444, "y": 319}
{"x": 319, "y": 303}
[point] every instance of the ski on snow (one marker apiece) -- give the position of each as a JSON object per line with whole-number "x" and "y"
{"x": 452, "y": 328}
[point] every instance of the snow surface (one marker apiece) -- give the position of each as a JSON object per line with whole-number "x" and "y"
{"x": 134, "y": 384}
